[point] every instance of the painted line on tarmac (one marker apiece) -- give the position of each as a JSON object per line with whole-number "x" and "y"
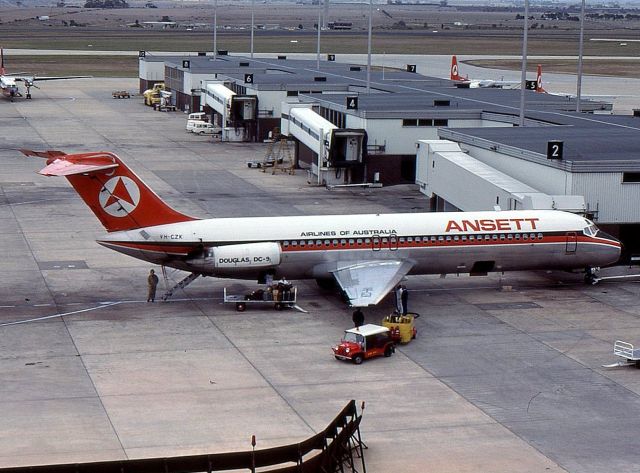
{"x": 102, "y": 306}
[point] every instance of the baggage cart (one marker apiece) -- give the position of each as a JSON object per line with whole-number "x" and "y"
{"x": 278, "y": 299}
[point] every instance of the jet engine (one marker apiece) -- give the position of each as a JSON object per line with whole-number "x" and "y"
{"x": 238, "y": 257}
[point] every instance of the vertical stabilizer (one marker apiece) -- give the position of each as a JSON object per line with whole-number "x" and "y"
{"x": 115, "y": 194}
{"x": 539, "y": 87}
{"x": 454, "y": 73}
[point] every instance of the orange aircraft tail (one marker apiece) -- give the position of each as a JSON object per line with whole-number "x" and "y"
{"x": 539, "y": 87}
{"x": 454, "y": 74}
{"x": 115, "y": 194}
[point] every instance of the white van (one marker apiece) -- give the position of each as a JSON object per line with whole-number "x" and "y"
{"x": 198, "y": 116}
{"x": 204, "y": 128}
{"x": 192, "y": 123}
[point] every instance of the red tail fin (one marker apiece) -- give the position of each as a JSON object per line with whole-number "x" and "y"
{"x": 115, "y": 194}
{"x": 539, "y": 81}
{"x": 454, "y": 75}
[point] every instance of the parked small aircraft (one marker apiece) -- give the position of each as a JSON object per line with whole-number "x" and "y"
{"x": 454, "y": 75}
{"x": 10, "y": 87}
{"x": 367, "y": 255}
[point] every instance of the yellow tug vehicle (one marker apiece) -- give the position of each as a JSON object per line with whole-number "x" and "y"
{"x": 402, "y": 327}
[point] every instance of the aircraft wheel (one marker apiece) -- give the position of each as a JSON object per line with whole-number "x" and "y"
{"x": 241, "y": 306}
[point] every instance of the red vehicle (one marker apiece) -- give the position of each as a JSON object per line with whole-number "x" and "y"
{"x": 366, "y": 341}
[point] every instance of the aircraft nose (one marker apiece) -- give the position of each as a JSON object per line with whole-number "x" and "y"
{"x": 615, "y": 246}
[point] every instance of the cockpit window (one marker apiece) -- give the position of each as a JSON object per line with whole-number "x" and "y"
{"x": 590, "y": 230}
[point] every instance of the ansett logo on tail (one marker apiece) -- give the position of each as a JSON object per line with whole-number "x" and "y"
{"x": 119, "y": 196}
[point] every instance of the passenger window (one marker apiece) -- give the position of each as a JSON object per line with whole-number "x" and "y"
{"x": 456, "y": 238}
{"x": 494, "y": 237}
{"x": 532, "y": 236}
{"x": 303, "y": 243}
{"x": 472, "y": 238}
{"x": 367, "y": 241}
{"x": 448, "y": 238}
{"x": 294, "y": 243}
{"x": 509, "y": 236}
{"x": 359, "y": 241}
{"x": 343, "y": 242}
{"x": 502, "y": 237}
{"x": 540, "y": 236}
{"x": 285, "y": 244}
{"x": 334, "y": 242}
{"x": 525, "y": 237}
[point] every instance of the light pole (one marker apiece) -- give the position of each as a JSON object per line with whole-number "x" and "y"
{"x": 579, "y": 84}
{"x": 252, "y": 18}
{"x": 318, "y": 48}
{"x": 523, "y": 76}
{"x": 369, "y": 47}
{"x": 215, "y": 29}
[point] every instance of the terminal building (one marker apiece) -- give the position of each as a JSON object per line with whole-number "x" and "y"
{"x": 462, "y": 147}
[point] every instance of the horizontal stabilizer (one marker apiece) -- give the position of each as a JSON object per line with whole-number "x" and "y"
{"x": 43, "y": 154}
{"x": 62, "y": 164}
{"x": 66, "y": 167}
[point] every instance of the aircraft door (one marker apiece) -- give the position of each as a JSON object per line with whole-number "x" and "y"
{"x": 571, "y": 242}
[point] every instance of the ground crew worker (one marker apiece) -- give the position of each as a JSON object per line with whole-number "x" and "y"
{"x": 404, "y": 299}
{"x": 358, "y": 317}
{"x": 152, "y": 281}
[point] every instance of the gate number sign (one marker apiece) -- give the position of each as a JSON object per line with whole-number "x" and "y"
{"x": 554, "y": 149}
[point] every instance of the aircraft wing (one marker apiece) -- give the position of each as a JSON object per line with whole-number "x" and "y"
{"x": 61, "y": 78}
{"x": 31, "y": 79}
{"x": 367, "y": 282}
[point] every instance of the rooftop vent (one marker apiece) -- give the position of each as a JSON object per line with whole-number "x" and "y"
{"x": 244, "y": 64}
{"x": 320, "y": 79}
{"x": 441, "y": 103}
{"x": 355, "y": 68}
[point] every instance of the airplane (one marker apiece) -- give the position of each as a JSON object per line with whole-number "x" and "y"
{"x": 10, "y": 88}
{"x": 461, "y": 81}
{"x": 366, "y": 255}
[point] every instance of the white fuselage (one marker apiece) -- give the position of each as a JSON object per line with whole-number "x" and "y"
{"x": 9, "y": 86}
{"x": 315, "y": 246}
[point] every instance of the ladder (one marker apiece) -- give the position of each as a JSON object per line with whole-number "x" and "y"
{"x": 283, "y": 158}
{"x": 180, "y": 285}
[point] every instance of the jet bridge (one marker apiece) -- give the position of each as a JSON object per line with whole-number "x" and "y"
{"x": 238, "y": 113}
{"x": 444, "y": 170}
{"x": 339, "y": 153}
